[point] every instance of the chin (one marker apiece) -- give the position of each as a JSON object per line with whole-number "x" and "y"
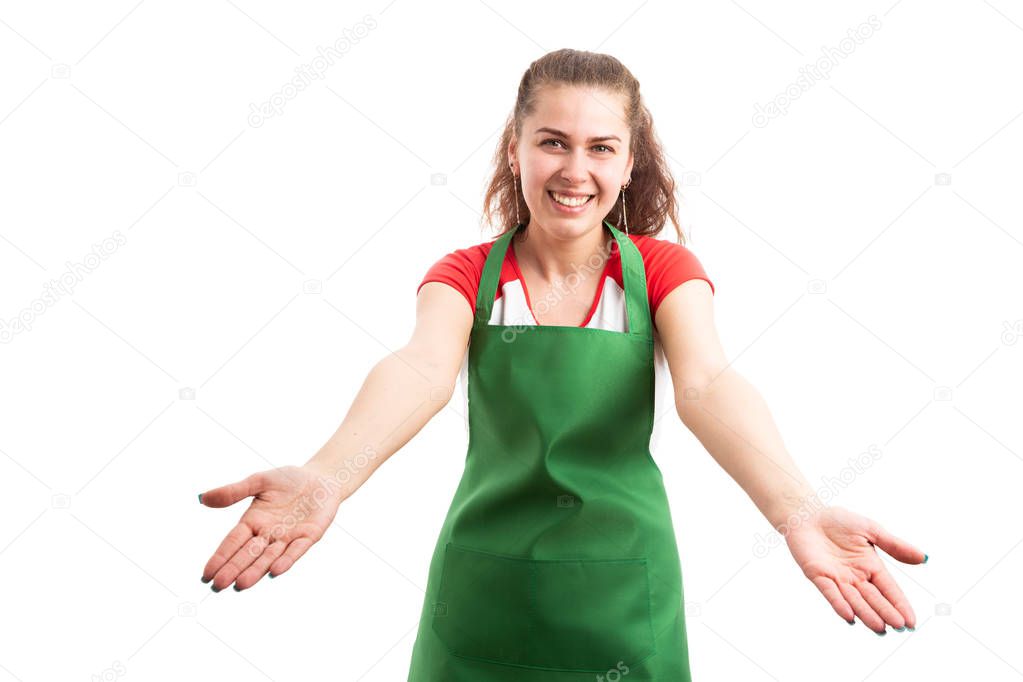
{"x": 562, "y": 230}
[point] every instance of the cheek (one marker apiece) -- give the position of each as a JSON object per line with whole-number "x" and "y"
{"x": 536, "y": 190}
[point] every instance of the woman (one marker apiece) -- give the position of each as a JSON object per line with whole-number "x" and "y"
{"x": 557, "y": 559}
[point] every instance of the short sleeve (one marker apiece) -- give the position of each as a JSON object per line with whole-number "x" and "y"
{"x": 461, "y": 269}
{"x": 669, "y": 264}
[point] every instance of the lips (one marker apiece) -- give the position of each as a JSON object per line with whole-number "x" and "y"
{"x": 551, "y": 194}
{"x": 574, "y": 195}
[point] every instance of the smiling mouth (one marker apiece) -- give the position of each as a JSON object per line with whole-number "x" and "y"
{"x": 567, "y": 201}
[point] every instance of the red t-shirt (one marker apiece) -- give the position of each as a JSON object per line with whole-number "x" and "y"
{"x": 667, "y": 265}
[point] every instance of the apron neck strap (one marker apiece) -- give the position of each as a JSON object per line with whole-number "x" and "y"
{"x": 637, "y": 304}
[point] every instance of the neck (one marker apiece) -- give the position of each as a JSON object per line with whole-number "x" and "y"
{"x": 554, "y": 259}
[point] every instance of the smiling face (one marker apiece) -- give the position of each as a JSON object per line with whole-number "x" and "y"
{"x": 574, "y": 147}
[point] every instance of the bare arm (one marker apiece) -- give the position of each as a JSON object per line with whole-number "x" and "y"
{"x": 293, "y": 506}
{"x": 833, "y": 546}
{"x": 723, "y": 410}
{"x": 401, "y": 393}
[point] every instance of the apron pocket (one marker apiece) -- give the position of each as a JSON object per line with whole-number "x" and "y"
{"x": 579, "y": 615}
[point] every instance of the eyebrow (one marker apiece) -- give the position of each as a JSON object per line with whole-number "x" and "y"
{"x": 555, "y": 131}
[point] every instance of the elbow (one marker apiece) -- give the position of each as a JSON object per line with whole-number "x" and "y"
{"x": 694, "y": 387}
{"x": 437, "y": 376}
{"x": 441, "y": 393}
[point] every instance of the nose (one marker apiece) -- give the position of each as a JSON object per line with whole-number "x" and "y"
{"x": 575, "y": 169}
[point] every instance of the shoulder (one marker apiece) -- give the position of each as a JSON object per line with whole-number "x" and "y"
{"x": 468, "y": 260}
{"x": 667, "y": 265}
{"x": 460, "y": 269}
{"x": 660, "y": 255}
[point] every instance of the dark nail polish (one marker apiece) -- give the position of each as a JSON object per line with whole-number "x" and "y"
{"x": 237, "y": 589}
{"x": 205, "y": 580}
{"x": 272, "y": 576}
{"x": 851, "y": 622}
{"x": 214, "y": 588}
{"x": 200, "y": 498}
{"x": 882, "y": 633}
{"x": 900, "y": 629}
{"x": 925, "y": 558}
{"x": 911, "y": 629}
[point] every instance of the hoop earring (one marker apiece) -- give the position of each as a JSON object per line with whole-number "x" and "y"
{"x": 625, "y": 216}
{"x": 518, "y": 221}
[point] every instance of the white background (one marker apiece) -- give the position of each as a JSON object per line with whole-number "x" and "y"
{"x": 133, "y": 118}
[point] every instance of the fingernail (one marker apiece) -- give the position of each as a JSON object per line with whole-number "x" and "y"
{"x": 851, "y": 622}
{"x": 214, "y": 588}
{"x": 900, "y": 629}
{"x": 200, "y": 502}
{"x": 237, "y": 589}
{"x": 882, "y": 633}
{"x": 925, "y": 558}
{"x": 272, "y": 576}
{"x": 911, "y": 629}
{"x": 205, "y": 579}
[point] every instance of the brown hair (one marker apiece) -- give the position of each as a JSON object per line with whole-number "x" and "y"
{"x": 650, "y": 199}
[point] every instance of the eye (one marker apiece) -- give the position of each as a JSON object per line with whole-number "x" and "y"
{"x": 552, "y": 139}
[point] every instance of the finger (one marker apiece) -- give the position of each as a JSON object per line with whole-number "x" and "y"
{"x": 238, "y": 536}
{"x": 881, "y": 605}
{"x": 226, "y": 495}
{"x": 296, "y": 548}
{"x": 861, "y": 607}
{"x": 893, "y": 593}
{"x": 252, "y": 575}
{"x": 241, "y": 560}
{"x": 896, "y": 547}
{"x": 830, "y": 591}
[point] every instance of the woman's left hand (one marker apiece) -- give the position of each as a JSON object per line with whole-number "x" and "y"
{"x": 835, "y": 549}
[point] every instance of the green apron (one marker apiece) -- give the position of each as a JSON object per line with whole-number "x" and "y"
{"x": 557, "y": 559}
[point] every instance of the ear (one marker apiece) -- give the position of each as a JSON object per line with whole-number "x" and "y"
{"x": 512, "y": 145}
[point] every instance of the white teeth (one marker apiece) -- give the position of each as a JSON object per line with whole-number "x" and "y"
{"x": 569, "y": 201}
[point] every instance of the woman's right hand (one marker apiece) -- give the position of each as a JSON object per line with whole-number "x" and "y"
{"x": 292, "y": 509}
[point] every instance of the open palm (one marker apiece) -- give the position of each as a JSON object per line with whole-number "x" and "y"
{"x": 835, "y": 549}
{"x": 291, "y": 511}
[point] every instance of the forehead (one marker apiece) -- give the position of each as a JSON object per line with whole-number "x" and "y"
{"x": 578, "y": 111}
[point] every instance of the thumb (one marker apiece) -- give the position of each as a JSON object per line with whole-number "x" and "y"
{"x": 226, "y": 495}
{"x": 896, "y": 547}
